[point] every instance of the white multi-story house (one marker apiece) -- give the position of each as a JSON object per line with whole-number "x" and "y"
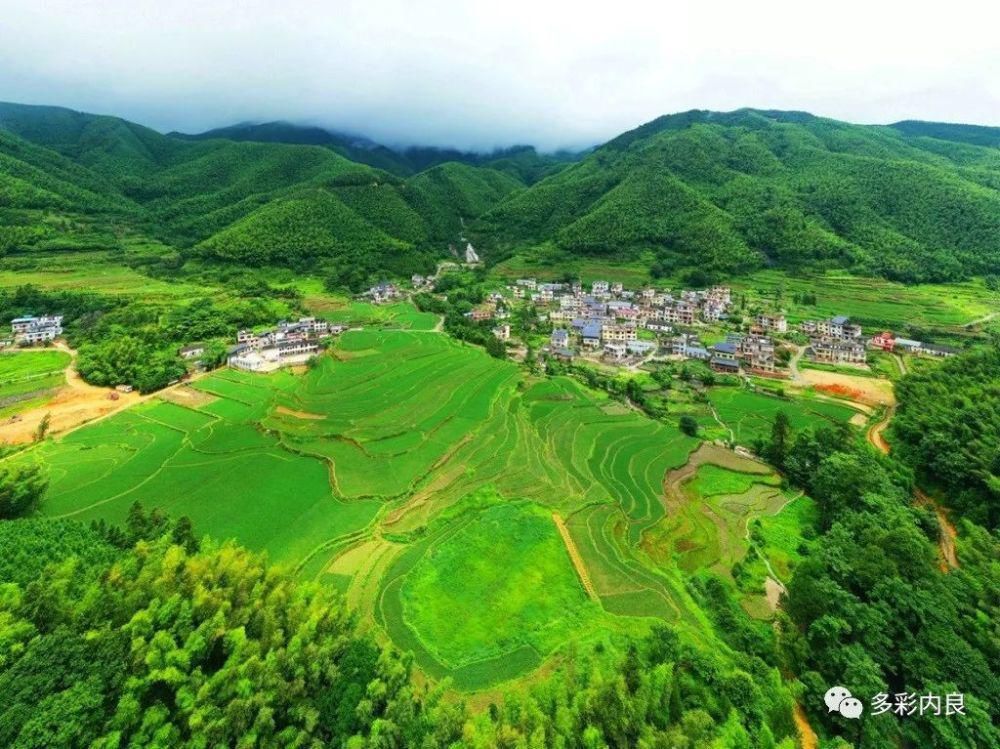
{"x": 777, "y": 323}
{"x": 36, "y": 329}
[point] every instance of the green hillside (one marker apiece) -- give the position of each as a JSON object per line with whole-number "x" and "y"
{"x": 722, "y": 193}
{"x": 353, "y": 148}
{"x": 81, "y": 181}
{"x": 731, "y": 192}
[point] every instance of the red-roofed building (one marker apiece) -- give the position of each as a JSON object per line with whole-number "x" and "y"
{"x": 884, "y": 340}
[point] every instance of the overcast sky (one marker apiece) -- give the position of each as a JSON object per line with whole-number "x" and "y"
{"x": 486, "y": 74}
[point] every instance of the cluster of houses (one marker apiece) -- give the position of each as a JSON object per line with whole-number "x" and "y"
{"x": 835, "y": 340}
{"x": 385, "y": 292}
{"x": 838, "y": 340}
{"x": 287, "y": 344}
{"x": 887, "y": 341}
{"x": 607, "y": 320}
{"x": 29, "y": 330}
{"x": 754, "y": 351}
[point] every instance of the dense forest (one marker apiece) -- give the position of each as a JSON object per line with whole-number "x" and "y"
{"x": 741, "y": 190}
{"x": 717, "y": 192}
{"x": 145, "y": 636}
{"x": 947, "y": 427}
{"x": 75, "y": 181}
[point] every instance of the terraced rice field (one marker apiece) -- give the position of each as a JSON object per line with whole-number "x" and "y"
{"x": 750, "y": 415}
{"x": 419, "y": 477}
{"x": 877, "y": 303}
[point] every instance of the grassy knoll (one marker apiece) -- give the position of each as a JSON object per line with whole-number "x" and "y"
{"x": 231, "y": 479}
{"x": 401, "y": 315}
{"x": 29, "y": 378}
{"x": 633, "y": 274}
{"x": 711, "y": 507}
{"x": 750, "y": 415}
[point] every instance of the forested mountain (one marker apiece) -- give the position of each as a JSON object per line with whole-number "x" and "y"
{"x": 977, "y": 135}
{"x": 746, "y": 189}
{"x": 354, "y": 148}
{"x": 720, "y": 192}
{"x": 524, "y": 162}
{"x": 78, "y": 180}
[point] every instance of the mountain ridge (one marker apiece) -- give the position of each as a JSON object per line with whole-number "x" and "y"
{"x": 717, "y": 192}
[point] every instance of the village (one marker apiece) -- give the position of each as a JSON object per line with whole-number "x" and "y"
{"x": 606, "y": 324}
{"x": 611, "y": 325}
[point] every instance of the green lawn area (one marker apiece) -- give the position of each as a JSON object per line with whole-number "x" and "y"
{"x": 98, "y": 272}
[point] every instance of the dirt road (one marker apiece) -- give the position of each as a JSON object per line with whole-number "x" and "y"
{"x": 946, "y": 544}
{"x": 75, "y": 404}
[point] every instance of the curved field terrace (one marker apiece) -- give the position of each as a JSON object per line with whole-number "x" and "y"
{"x": 482, "y": 518}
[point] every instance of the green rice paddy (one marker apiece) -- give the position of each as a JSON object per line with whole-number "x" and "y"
{"x": 30, "y": 378}
{"x": 420, "y": 477}
{"x": 750, "y": 415}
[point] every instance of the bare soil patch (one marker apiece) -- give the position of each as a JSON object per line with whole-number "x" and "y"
{"x": 188, "y": 396}
{"x": 868, "y": 390}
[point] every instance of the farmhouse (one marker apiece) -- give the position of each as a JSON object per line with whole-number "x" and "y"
{"x": 592, "y": 334}
{"x": 502, "y": 332}
{"x": 383, "y": 293}
{"x": 908, "y": 345}
{"x": 36, "y": 329}
{"x": 837, "y": 351}
{"x": 624, "y": 332}
{"x": 480, "y": 313}
{"x": 599, "y": 288}
{"x": 838, "y": 328}
{"x": 776, "y": 323}
{"x": 727, "y": 366}
{"x": 563, "y": 354}
{"x": 885, "y": 341}
{"x": 727, "y": 351}
{"x": 932, "y": 349}
{"x": 192, "y": 351}
{"x": 560, "y": 338}
{"x": 615, "y": 350}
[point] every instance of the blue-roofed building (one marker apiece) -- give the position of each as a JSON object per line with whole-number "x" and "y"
{"x": 727, "y": 366}
{"x": 560, "y": 338}
{"x": 726, "y": 350}
{"x": 592, "y": 334}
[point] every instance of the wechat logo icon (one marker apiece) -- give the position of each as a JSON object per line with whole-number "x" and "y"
{"x": 839, "y": 700}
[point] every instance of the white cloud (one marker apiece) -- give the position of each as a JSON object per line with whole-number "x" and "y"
{"x": 480, "y": 74}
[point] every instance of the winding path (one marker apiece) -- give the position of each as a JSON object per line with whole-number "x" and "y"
{"x": 946, "y": 544}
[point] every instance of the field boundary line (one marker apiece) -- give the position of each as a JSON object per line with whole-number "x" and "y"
{"x": 575, "y": 558}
